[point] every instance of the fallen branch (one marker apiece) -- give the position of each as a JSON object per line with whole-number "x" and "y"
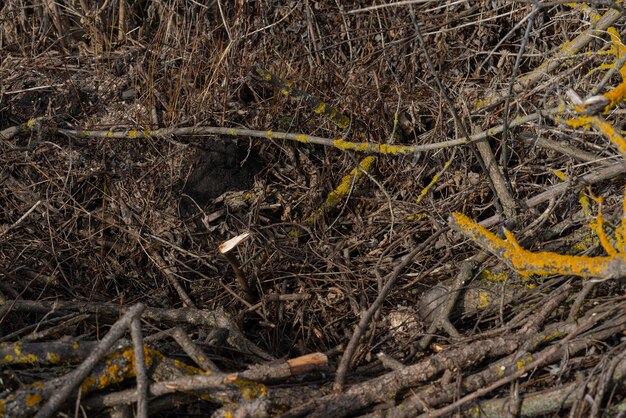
{"x": 73, "y": 379}
{"x": 431, "y": 396}
{"x": 385, "y": 388}
{"x": 205, "y": 318}
{"x": 341, "y": 144}
{"x": 567, "y": 50}
{"x": 527, "y": 263}
{"x": 367, "y": 316}
{"x": 606, "y": 172}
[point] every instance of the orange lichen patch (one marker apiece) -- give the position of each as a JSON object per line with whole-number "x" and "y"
{"x": 36, "y": 353}
{"x": 15, "y": 355}
{"x": 617, "y": 49}
{"x": 116, "y": 367}
{"x": 250, "y": 390}
{"x": 53, "y": 358}
{"x": 112, "y": 369}
{"x": 187, "y": 369}
{"x": 540, "y": 263}
{"x": 24, "y": 402}
{"x": 38, "y": 385}
{"x": 546, "y": 263}
{"x": 615, "y": 95}
{"x": 596, "y": 224}
{"x": 604, "y": 240}
{"x": 32, "y": 399}
{"x": 605, "y": 127}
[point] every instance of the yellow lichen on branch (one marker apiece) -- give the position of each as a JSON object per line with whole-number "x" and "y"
{"x": 372, "y": 147}
{"x": 434, "y": 180}
{"x": 558, "y": 174}
{"x": 51, "y": 352}
{"x": 596, "y": 224}
{"x": 425, "y": 190}
{"x": 120, "y": 365}
{"x": 344, "y": 187}
{"x": 601, "y": 125}
{"x": 288, "y": 89}
{"x": 615, "y": 95}
{"x": 618, "y": 50}
{"x": 355, "y": 175}
{"x": 567, "y": 50}
{"x": 620, "y": 233}
{"x": 618, "y": 93}
{"x": 528, "y": 263}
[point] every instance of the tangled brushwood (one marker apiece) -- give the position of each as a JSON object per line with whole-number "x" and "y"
{"x": 279, "y": 208}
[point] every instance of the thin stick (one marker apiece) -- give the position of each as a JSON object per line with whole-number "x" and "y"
{"x": 504, "y": 157}
{"x": 19, "y": 221}
{"x": 140, "y": 369}
{"x": 189, "y": 347}
{"x": 212, "y": 319}
{"x": 367, "y": 315}
{"x": 557, "y": 146}
{"x": 484, "y": 156}
{"x": 341, "y": 144}
{"x": 171, "y": 278}
{"x": 567, "y": 50}
{"x": 538, "y": 361}
{"x": 226, "y": 249}
{"x": 604, "y": 173}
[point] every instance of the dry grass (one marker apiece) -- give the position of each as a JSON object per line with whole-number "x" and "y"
{"x": 102, "y": 208}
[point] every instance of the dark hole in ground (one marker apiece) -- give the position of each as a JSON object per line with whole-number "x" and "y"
{"x": 219, "y": 167}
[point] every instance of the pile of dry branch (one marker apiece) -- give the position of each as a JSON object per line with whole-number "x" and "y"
{"x": 302, "y": 208}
